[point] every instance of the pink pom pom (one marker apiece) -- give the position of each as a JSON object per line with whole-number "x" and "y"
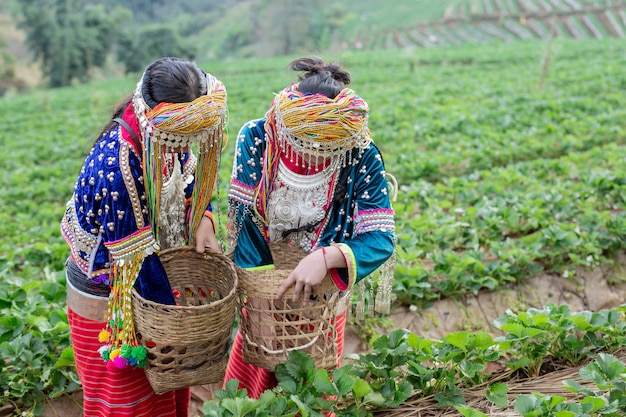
{"x": 120, "y": 362}
{"x": 110, "y": 366}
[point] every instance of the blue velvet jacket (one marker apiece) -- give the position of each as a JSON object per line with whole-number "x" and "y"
{"x": 106, "y": 219}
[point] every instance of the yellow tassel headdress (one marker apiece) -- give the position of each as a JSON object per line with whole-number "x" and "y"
{"x": 172, "y": 125}
{"x": 311, "y": 129}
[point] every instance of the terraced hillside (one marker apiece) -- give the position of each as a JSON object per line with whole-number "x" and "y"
{"x": 482, "y": 21}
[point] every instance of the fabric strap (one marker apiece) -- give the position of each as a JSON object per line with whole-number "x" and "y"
{"x": 80, "y": 281}
{"x": 136, "y": 140}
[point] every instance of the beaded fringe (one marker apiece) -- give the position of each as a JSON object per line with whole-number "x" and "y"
{"x": 121, "y": 348}
{"x": 206, "y": 178}
{"x": 386, "y": 274}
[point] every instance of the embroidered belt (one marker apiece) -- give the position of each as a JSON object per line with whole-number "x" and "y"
{"x": 86, "y": 305}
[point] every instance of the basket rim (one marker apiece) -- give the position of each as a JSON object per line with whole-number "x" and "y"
{"x": 326, "y": 286}
{"x": 231, "y": 294}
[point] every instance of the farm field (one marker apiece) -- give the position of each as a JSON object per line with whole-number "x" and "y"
{"x": 487, "y": 21}
{"x": 510, "y": 161}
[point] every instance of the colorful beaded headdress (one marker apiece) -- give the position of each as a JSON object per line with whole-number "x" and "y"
{"x": 311, "y": 129}
{"x": 168, "y": 126}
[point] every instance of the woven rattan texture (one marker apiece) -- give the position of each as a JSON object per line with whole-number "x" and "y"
{"x": 273, "y": 328}
{"x": 188, "y": 343}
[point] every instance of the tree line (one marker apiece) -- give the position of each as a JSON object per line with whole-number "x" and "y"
{"x": 72, "y": 37}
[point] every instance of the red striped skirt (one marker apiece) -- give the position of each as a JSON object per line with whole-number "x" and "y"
{"x": 256, "y": 380}
{"x": 121, "y": 392}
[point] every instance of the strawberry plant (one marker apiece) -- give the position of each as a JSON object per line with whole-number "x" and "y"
{"x": 402, "y": 366}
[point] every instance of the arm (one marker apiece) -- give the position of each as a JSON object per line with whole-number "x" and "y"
{"x": 372, "y": 240}
{"x": 126, "y": 231}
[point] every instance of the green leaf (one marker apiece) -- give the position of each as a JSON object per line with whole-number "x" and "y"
{"x": 497, "y": 394}
{"x": 555, "y": 400}
{"x": 212, "y": 408}
{"x": 458, "y": 339}
{"x": 66, "y": 358}
{"x": 376, "y": 399}
{"x": 469, "y": 368}
{"x": 484, "y": 340}
{"x": 300, "y": 366}
{"x": 610, "y": 366}
{"x": 323, "y": 384}
{"x": 564, "y": 413}
{"x": 595, "y": 403}
{"x": 361, "y": 388}
{"x": 396, "y": 338}
{"x": 515, "y": 329}
{"x": 344, "y": 384}
{"x": 524, "y": 404}
{"x": 469, "y": 412}
{"x": 304, "y": 409}
{"x": 10, "y": 326}
{"x": 289, "y": 386}
{"x": 239, "y": 407}
{"x": 572, "y": 386}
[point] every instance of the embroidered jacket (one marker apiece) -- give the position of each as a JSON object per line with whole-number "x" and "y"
{"x": 106, "y": 220}
{"x": 362, "y": 225}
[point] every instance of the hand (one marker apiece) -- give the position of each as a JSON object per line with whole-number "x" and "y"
{"x": 309, "y": 273}
{"x": 205, "y": 237}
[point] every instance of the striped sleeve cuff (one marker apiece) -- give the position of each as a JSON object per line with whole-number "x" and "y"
{"x": 140, "y": 241}
{"x": 374, "y": 220}
{"x": 241, "y": 192}
{"x": 351, "y": 270}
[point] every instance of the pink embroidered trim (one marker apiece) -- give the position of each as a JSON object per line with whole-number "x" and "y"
{"x": 241, "y": 192}
{"x": 373, "y": 220}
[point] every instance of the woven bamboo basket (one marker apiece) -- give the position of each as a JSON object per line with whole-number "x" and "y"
{"x": 273, "y": 328}
{"x": 187, "y": 344}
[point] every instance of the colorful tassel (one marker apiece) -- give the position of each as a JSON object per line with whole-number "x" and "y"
{"x": 120, "y": 337}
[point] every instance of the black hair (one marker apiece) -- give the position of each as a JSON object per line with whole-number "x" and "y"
{"x": 320, "y": 77}
{"x": 166, "y": 80}
{"x": 172, "y": 80}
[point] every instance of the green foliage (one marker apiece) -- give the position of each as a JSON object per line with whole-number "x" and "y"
{"x": 301, "y": 391}
{"x": 403, "y": 366}
{"x": 7, "y": 70}
{"x": 608, "y": 375}
{"x": 137, "y": 49}
{"x": 555, "y": 332}
{"x": 500, "y": 181}
{"x": 35, "y": 359}
{"x": 161, "y": 11}
{"x": 605, "y": 397}
{"x": 68, "y": 36}
{"x": 497, "y": 394}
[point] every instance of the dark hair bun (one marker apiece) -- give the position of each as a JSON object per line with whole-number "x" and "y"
{"x": 315, "y": 65}
{"x": 320, "y": 77}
